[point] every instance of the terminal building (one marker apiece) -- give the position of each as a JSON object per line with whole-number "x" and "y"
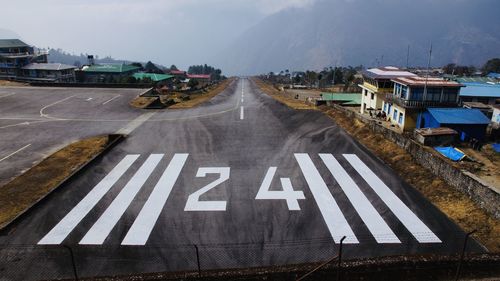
{"x": 14, "y": 55}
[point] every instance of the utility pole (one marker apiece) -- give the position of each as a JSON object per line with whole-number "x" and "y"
{"x": 408, "y": 58}
{"x": 427, "y": 74}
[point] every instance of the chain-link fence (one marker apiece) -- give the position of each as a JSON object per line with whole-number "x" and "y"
{"x": 33, "y": 262}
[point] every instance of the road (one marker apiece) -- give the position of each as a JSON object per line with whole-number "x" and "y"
{"x": 246, "y": 179}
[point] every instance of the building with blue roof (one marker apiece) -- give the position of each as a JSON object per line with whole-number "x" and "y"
{"x": 494, "y": 75}
{"x": 487, "y": 93}
{"x": 469, "y": 123}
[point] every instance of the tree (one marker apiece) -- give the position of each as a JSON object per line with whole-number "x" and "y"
{"x": 152, "y": 68}
{"x": 173, "y": 67}
{"x": 192, "y": 83}
{"x": 493, "y": 65}
{"x": 137, "y": 64}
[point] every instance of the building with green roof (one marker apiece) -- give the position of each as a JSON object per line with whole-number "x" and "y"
{"x": 155, "y": 77}
{"x": 344, "y": 99}
{"x": 108, "y": 73}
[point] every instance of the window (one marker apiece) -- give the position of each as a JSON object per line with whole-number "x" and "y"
{"x": 450, "y": 95}
{"x": 404, "y": 92}
{"x": 395, "y": 115}
{"x": 373, "y": 96}
{"x": 433, "y": 94}
{"x": 385, "y": 107}
{"x": 417, "y": 94}
{"x": 400, "y": 121}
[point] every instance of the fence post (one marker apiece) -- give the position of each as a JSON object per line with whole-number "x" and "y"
{"x": 340, "y": 258}
{"x": 198, "y": 259}
{"x": 73, "y": 263}
{"x": 459, "y": 267}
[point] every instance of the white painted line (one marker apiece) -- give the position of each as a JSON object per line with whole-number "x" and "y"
{"x": 139, "y": 233}
{"x": 241, "y": 113}
{"x": 332, "y": 215}
{"x": 113, "y": 98}
{"x": 8, "y": 95}
{"x": 103, "y": 226}
{"x": 57, "y": 235}
{"x": 134, "y": 124}
{"x": 417, "y": 228}
{"x": 89, "y": 99}
{"x": 52, "y": 104}
{"x": 372, "y": 219}
{"x": 17, "y": 151}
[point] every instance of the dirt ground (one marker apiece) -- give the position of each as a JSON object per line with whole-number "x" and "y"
{"x": 279, "y": 96}
{"x": 197, "y": 99}
{"x": 27, "y": 189}
{"x": 7, "y": 83}
{"x": 456, "y": 205}
{"x": 141, "y": 102}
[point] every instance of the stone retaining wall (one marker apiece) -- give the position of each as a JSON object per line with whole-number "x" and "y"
{"x": 480, "y": 192}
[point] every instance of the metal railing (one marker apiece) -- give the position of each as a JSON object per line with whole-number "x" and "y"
{"x": 417, "y": 104}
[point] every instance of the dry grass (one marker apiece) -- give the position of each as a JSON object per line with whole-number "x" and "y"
{"x": 455, "y": 204}
{"x": 24, "y": 191}
{"x": 197, "y": 99}
{"x": 281, "y": 97}
{"x": 141, "y": 102}
{"x": 6, "y": 83}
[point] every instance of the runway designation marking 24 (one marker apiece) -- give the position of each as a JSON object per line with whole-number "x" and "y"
{"x": 335, "y": 220}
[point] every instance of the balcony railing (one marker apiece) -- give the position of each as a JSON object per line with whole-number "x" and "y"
{"x": 417, "y": 104}
{"x": 24, "y": 54}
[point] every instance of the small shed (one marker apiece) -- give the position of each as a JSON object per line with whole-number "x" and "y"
{"x": 436, "y": 136}
{"x": 469, "y": 123}
{"x": 344, "y": 99}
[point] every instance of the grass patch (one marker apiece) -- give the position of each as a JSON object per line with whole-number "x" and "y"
{"x": 141, "y": 102}
{"x": 24, "y": 191}
{"x": 7, "y": 83}
{"x": 281, "y": 97}
{"x": 199, "y": 98}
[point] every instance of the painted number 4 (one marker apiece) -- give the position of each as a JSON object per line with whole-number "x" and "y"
{"x": 291, "y": 196}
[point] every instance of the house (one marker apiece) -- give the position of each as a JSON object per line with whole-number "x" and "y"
{"x": 376, "y": 84}
{"x": 469, "y": 123}
{"x": 179, "y": 74}
{"x": 487, "y": 93}
{"x": 15, "y": 54}
{"x": 107, "y": 73}
{"x": 48, "y": 72}
{"x": 494, "y": 75}
{"x": 203, "y": 79}
{"x": 412, "y": 95}
{"x": 344, "y": 99}
{"x": 436, "y": 136}
{"x": 159, "y": 80}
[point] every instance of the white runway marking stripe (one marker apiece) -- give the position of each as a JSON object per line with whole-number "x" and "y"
{"x": 139, "y": 233}
{"x": 417, "y": 228}
{"x": 101, "y": 229}
{"x": 70, "y": 221}
{"x": 332, "y": 215}
{"x": 372, "y": 219}
{"x": 242, "y": 116}
{"x": 110, "y": 100}
{"x": 17, "y": 151}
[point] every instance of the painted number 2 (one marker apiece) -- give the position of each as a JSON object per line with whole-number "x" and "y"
{"x": 291, "y": 196}
{"x": 194, "y": 204}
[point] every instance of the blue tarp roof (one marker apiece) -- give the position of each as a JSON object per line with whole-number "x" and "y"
{"x": 480, "y": 90}
{"x": 494, "y": 75}
{"x": 450, "y": 152}
{"x": 458, "y": 116}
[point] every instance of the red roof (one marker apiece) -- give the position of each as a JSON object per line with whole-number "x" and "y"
{"x": 177, "y": 72}
{"x": 430, "y": 81}
{"x": 198, "y": 76}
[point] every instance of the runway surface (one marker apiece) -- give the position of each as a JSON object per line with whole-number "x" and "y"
{"x": 244, "y": 179}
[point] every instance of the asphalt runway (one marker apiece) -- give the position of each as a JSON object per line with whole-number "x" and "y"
{"x": 243, "y": 179}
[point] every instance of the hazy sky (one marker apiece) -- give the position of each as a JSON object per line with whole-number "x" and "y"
{"x": 181, "y": 32}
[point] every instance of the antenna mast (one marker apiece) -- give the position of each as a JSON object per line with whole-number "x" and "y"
{"x": 427, "y": 74}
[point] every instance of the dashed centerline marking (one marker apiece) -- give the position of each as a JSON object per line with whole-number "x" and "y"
{"x": 17, "y": 151}
{"x": 241, "y": 113}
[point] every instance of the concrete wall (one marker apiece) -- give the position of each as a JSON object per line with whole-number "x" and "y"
{"x": 479, "y": 191}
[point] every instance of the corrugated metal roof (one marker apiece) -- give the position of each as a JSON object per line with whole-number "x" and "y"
{"x": 348, "y": 98}
{"x": 111, "y": 68}
{"x": 12, "y": 43}
{"x": 481, "y": 90}
{"x": 153, "y": 76}
{"x": 422, "y": 81}
{"x": 459, "y": 116}
{"x": 198, "y": 76}
{"x": 48, "y": 66}
{"x": 386, "y": 73}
